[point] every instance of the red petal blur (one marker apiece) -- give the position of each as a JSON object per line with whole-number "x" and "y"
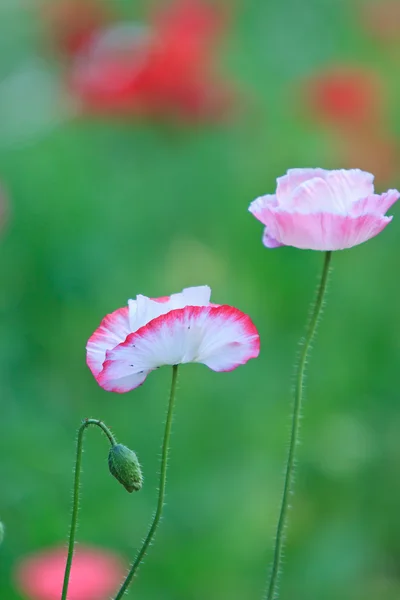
{"x": 168, "y": 69}
{"x": 95, "y": 574}
{"x": 345, "y": 96}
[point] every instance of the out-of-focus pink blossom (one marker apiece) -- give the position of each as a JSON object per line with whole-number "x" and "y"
{"x": 95, "y": 574}
{"x": 168, "y": 68}
{"x": 344, "y": 96}
{"x": 318, "y": 209}
{"x": 182, "y": 328}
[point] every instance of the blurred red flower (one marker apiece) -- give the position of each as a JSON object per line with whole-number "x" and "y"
{"x": 72, "y": 23}
{"x": 165, "y": 69}
{"x": 345, "y": 96}
{"x": 351, "y": 102}
{"x": 95, "y": 574}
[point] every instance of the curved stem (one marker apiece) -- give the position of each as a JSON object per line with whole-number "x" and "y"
{"x": 75, "y": 505}
{"x": 161, "y": 490}
{"x": 280, "y": 532}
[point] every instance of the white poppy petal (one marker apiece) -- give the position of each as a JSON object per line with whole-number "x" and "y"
{"x": 144, "y": 309}
{"x": 116, "y": 381}
{"x": 195, "y": 296}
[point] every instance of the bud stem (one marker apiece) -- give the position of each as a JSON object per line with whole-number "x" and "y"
{"x": 290, "y": 466}
{"x": 161, "y": 490}
{"x": 75, "y": 505}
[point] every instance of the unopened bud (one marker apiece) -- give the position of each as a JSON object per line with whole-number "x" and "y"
{"x": 124, "y": 466}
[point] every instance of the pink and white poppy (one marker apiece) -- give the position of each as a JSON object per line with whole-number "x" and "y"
{"x": 95, "y": 574}
{"x": 182, "y": 328}
{"x": 317, "y": 209}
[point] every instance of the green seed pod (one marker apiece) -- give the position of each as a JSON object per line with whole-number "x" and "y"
{"x": 124, "y": 466}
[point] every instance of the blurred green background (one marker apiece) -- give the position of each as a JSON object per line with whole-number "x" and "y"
{"x": 101, "y": 210}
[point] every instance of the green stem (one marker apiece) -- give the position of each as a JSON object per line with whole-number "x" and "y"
{"x": 161, "y": 490}
{"x": 280, "y": 532}
{"x": 75, "y": 505}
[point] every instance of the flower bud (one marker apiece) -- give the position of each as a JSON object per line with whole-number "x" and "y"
{"x": 124, "y": 466}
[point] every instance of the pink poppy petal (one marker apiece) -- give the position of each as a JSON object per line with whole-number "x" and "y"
{"x": 350, "y": 185}
{"x": 269, "y": 241}
{"x": 259, "y": 204}
{"x": 336, "y": 193}
{"x": 95, "y": 574}
{"x": 376, "y": 204}
{"x": 293, "y": 178}
{"x": 312, "y": 196}
{"x": 113, "y": 330}
{"x": 346, "y": 186}
{"x": 230, "y": 339}
{"x": 323, "y": 231}
{"x": 220, "y": 337}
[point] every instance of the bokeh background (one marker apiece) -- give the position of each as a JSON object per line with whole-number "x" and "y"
{"x": 101, "y": 205}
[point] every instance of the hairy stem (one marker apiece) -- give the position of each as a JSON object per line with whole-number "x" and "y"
{"x": 75, "y": 505}
{"x": 298, "y": 396}
{"x": 161, "y": 490}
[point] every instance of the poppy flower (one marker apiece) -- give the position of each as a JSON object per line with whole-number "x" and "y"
{"x": 106, "y": 77}
{"x": 345, "y": 96}
{"x": 166, "y": 68}
{"x": 95, "y": 574}
{"x": 323, "y": 210}
{"x": 182, "y": 328}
